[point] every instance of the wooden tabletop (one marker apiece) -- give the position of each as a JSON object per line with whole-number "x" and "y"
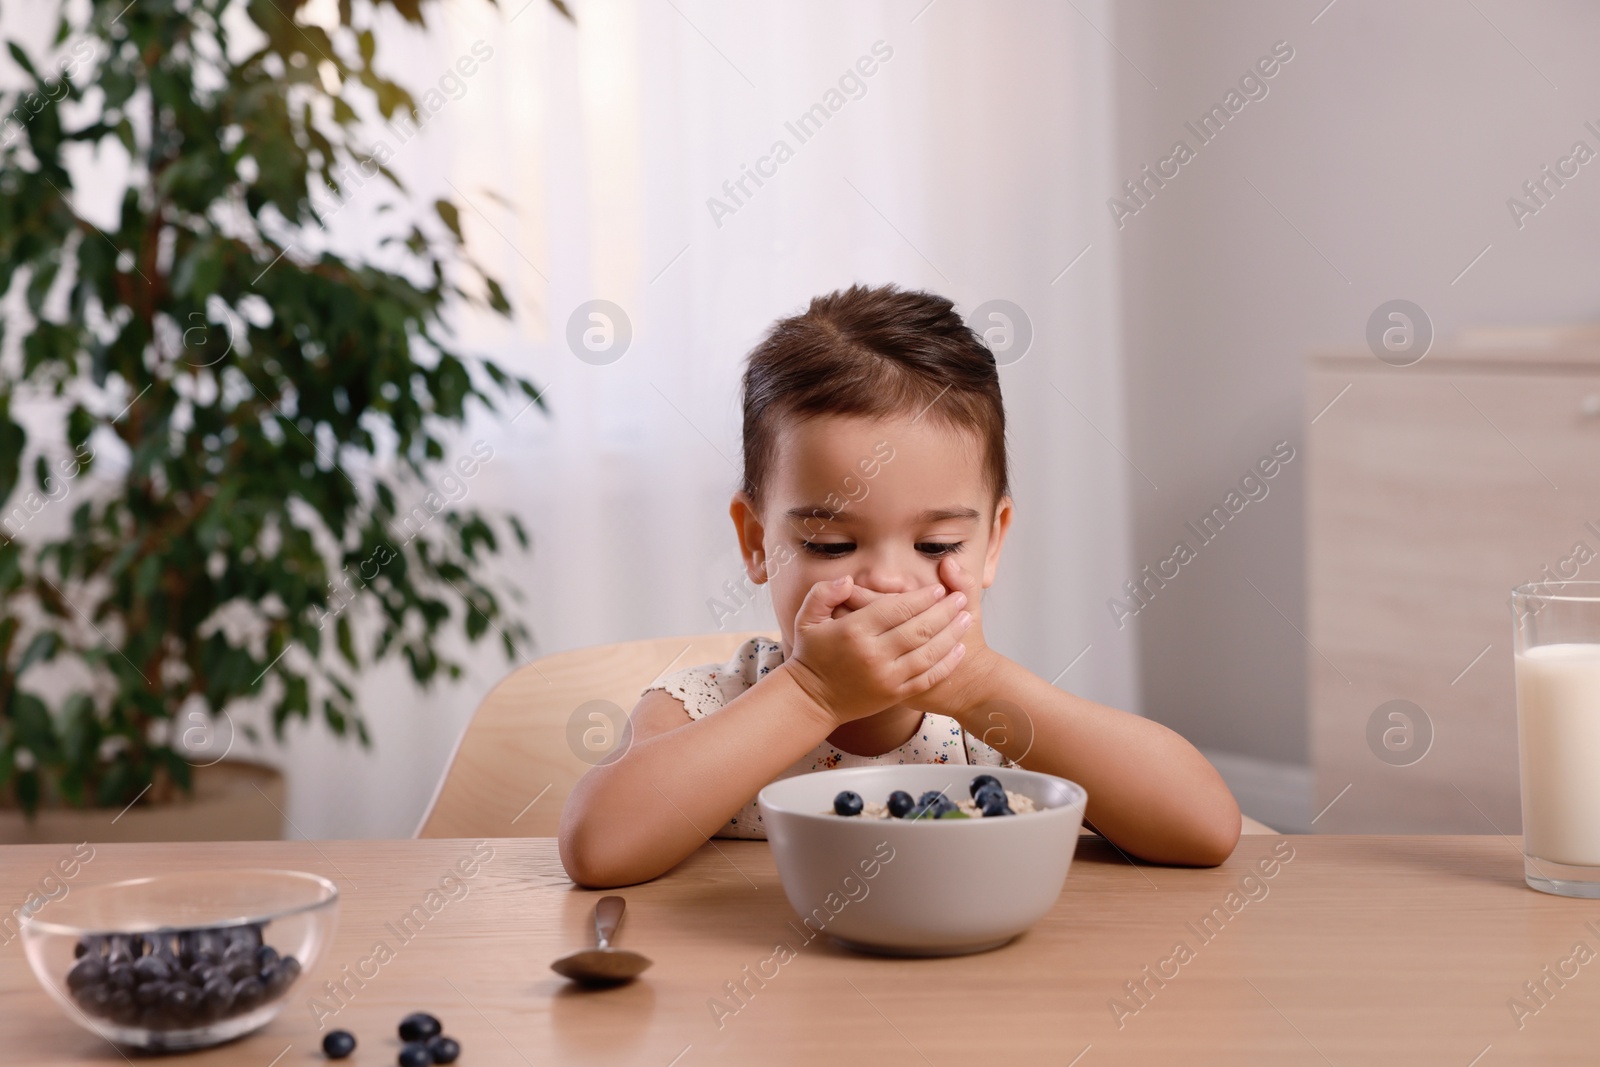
{"x": 1404, "y": 950}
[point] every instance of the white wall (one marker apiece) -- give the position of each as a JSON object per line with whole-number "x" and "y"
{"x": 1387, "y": 148}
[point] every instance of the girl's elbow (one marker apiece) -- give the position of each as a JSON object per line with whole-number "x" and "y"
{"x": 588, "y": 864}
{"x": 581, "y": 865}
{"x": 1216, "y": 839}
{"x": 593, "y": 859}
{"x": 581, "y": 849}
{"x": 1214, "y": 849}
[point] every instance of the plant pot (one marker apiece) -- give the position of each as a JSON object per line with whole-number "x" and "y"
{"x": 227, "y": 805}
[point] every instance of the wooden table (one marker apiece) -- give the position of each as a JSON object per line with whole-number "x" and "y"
{"x": 1404, "y": 950}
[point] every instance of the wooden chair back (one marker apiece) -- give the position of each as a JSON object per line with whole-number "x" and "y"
{"x": 519, "y": 757}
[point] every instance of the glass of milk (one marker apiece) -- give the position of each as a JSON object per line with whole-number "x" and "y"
{"x": 1557, "y": 648}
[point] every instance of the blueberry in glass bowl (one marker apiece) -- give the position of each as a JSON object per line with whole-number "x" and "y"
{"x": 180, "y": 960}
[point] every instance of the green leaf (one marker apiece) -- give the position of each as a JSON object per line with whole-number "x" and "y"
{"x": 497, "y": 297}
{"x": 449, "y": 216}
{"x": 27, "y": 787}
{"x": 122, "y": 784}
{"x": 347, "y": 643}
{"x": 31, "y": 726}
{"x": 178, "y": 769}
{"x": 335, "y": 718}
{"x": 13, "y": 440}
{"x": 80, "y": 729}
{"x": 41, "y": 649}
{"x": 22, "y": 59}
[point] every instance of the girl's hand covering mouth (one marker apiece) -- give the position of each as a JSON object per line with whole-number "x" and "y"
{"x": 887, "y": 652}
{"x": 962, "y": 690}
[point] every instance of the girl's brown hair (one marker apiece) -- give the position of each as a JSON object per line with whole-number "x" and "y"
{"x": 874, "y": 353}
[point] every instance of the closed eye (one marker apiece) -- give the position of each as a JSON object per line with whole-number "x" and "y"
{"x": 829, "y": 550}
{"x": 835, "y": 549}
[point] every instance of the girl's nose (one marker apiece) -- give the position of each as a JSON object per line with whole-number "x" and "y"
{"x": 885, "y": 580}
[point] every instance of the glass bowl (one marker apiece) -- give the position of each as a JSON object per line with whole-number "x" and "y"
{"x": 181, "y": 960}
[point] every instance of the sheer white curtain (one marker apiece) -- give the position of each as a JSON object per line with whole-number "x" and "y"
{"x": 972, "y": 161}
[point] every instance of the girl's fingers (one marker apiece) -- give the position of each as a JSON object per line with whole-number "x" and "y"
{"x": 890, "y": 612}
{"x": 937, "y": 673}
{"x": 859, "y": 598}
{"x": 932, "y": 651}
{"x": 820, "y": 601}
{"x": 962, "y": 581}
{"x": 863, "y": 598}
{"x": 926, "y": 624}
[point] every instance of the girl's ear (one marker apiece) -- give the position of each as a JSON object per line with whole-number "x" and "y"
{"x": 1004, "y": 513}
{"x": 747, "y": 524}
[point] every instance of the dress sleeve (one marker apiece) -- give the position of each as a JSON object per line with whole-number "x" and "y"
{"x": 695, "y": 686}
{"x": 709, "y": 686}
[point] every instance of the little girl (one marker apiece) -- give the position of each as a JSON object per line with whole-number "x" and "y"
{"x": 874, "y": 504}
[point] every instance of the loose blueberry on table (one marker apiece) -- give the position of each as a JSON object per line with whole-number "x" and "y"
{"x": 339, "y": 1044}
{"x": 424, "y": 1043}
{"x": 444, "y": 1049}
{"x": 172, "y": 978}
{"x": 419, "y": 1026}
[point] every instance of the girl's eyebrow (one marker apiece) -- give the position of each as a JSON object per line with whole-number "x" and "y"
{"x": 923, "y": 518}
{"x": 941, "y": 514}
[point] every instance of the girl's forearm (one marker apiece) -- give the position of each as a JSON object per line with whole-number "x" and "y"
{"x": 1150, "y": 791}
{"x": 637, "y": 818}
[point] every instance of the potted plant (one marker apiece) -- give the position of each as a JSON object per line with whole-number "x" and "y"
{"x": 236, "y": 497}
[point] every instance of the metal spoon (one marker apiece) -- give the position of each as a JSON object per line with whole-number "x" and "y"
{"x": 603, "y": 965}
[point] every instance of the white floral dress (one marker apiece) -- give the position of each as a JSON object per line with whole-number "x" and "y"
{"x": 704, "y": 689}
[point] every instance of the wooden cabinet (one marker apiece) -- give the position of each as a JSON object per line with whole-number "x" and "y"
{"x": 1431, "y": 491}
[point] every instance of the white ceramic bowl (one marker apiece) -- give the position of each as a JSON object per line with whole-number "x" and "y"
{"x": 921, "y": 887}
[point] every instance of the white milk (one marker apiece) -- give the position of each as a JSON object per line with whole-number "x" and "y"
{"x": 1558, "y": 733}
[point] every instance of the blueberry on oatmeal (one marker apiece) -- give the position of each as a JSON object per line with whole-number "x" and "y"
{"x": 932, "y": 805}
{"x": 980, "y": 781}
{"x": 981, "y": 795}
{"x": 994, "y": 804}
{"x": 989, "y": 799}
